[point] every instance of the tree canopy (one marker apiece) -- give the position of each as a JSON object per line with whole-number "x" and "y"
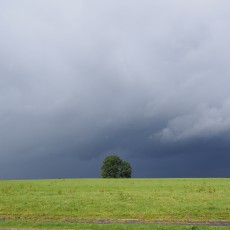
{"x": 114, "y": 167}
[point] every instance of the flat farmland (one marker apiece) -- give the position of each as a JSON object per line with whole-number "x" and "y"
{"x": 115, "y": 202}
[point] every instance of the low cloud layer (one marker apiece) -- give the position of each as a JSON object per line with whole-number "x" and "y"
{"x": 148, "y": 80}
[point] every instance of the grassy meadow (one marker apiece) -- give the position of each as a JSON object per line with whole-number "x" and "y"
{"x": 87, "y": 203}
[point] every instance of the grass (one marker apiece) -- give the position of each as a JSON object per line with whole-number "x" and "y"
{"x": 75, "y": 202}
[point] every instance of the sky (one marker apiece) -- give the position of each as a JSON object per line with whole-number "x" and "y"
{"x": 146, "y": 80}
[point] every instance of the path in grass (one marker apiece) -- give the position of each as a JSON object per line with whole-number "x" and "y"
{"x": 152, "y": 222}
{"x": 163, "y": 222}
{"x": 122, "y": 224}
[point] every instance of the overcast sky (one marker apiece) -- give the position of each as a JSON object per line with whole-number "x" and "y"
{"x": 148, "y": 80}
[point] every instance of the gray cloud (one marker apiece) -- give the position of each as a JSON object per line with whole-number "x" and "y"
{"x": 148, "y": 80}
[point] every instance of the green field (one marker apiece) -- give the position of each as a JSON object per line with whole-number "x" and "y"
{"x": 85, "y": 203}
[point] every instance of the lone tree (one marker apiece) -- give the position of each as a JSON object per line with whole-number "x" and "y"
{"x": 114, "y": 167}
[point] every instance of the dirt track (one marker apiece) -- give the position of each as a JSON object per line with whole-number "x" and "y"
{"x": 163, "y": 222}
{"x": 135, "y": 221}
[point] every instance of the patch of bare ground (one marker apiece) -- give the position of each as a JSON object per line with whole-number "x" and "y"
{"x": 162, "y": 222}
{"x": 139, "y": 221}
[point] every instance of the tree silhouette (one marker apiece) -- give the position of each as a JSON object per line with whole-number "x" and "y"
{"x": 114, "y": 167}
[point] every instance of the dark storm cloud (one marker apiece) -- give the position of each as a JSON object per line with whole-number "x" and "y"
{"x": 148, "y": 80}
